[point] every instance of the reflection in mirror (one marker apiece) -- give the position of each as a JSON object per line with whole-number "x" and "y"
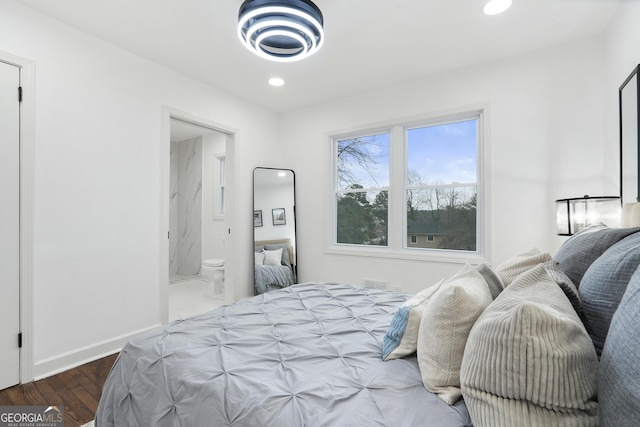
{"x": 274, "y": 229}
{"x": 629, "y": 122}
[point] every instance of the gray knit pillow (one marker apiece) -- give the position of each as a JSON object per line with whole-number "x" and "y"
{"x": 510, "y": 269}
{"x": 529, "y": 360}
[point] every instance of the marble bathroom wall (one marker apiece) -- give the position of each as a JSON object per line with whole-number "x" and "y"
{"x": 185, "y": 232}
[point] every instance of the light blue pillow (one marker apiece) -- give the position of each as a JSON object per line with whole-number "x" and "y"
{"x": 619, "y": 372}
{"x": 401, "y": 338}
{"x": 577, "y": 254}
{"x": 604, "y": 284}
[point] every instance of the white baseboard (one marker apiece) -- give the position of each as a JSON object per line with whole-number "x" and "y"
{"x": 60, "y": 363}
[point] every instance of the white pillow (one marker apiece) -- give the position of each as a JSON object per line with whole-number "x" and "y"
{"x": 444, "y": 329}
{"x": 401, "y": 338}
{"x": 273, "y": 257}
{"x": 259, "y": 258}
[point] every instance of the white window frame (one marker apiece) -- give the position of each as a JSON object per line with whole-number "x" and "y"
{"x": 335, "y": 191}
{"x": 221, "y": 196}
{"x": 398, "y": 247}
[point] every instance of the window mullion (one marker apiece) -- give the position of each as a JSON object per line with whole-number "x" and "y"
{"x": 397, "y": 202}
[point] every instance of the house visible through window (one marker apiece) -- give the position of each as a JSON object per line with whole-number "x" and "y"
{"x": 412, "y": 186}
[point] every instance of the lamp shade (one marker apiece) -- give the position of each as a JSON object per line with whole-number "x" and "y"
{"x": 281, "y": 30}
{"x": 572, "y": 215}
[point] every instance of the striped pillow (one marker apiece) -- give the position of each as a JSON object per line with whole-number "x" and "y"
{"x": 529, "y": 361}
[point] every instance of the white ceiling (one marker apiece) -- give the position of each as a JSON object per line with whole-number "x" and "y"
{"x": 369, "y": 43}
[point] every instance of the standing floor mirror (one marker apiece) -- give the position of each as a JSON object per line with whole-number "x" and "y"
{"x": 629, "y": 104}
{"x": 274, "y": 229}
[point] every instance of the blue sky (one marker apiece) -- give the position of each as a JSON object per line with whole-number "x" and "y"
{"x": 444, "y": 154}
{"x": 440, "y": 154}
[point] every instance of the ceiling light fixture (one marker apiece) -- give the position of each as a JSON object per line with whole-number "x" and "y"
{"x": 494, "y": 7}
{"x": 281, "y": 30}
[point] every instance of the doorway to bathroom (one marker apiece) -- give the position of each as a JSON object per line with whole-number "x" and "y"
{"x": 198, "y": 227}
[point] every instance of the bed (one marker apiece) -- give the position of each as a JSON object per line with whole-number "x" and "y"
{"x": 274, "y": 265}
{"x": 305, "y": 355}
{"x": 537, "y": 340}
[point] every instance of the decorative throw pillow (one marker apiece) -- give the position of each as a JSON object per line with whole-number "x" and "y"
{"x": 619, "y": 372}
{"x": 273, "y": 257}
{"x": 577, "y": 254}
{"x": 493, "y": 280}
{"x": 513, "y": 267}
{"x": 285, "y": 251}
{"x": 402, "y": 337}
{"x": 446, "y": 322}
{"x": 604, "y": 284}
{"x": 529, "y": 360}
{"x": 259, "y": 258}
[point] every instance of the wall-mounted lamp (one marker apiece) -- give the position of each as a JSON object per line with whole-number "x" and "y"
{"x": 572, "y": 215}
{"x": 281, "y": 30}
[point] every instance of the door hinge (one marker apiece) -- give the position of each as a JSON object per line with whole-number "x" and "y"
{"x": 168, "y": 234}
{"x": 20, "y": 340}
{"x": 19, "y": 93}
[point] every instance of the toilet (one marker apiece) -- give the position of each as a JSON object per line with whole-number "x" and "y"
{"x": 213, "y": 272}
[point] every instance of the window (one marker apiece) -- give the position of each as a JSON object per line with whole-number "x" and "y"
{"x": 361, "y": 193}
{"x": 221, "y": 206}
{"x": 441, "y": 183}
{"x": 410, "y": 187}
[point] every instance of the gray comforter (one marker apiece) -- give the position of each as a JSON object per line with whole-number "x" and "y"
{"x": 270, "y": 277}
{"x": 306, "y": 355}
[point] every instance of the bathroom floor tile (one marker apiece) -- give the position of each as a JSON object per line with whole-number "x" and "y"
{"x": 189, "y": 298}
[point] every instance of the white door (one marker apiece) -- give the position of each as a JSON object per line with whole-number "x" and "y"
{"x": 9, "y": 225}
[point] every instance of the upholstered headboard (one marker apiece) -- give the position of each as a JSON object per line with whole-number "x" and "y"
{"x": 631, "y": 215}
{"x": 278, "y": 242}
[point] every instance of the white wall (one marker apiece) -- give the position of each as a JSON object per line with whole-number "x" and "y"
{"x": 268, "y": 197}
{"x": 97, "y": 186}
{"x": 545, "y": 141}
{"x": 622, "y": 56}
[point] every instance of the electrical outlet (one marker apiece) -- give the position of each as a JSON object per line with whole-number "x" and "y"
{"x": 368, "y": 283}
{"x": 375, "y": 284}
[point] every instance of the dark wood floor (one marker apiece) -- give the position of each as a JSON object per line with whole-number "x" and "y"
{"x": 77, "y": 390}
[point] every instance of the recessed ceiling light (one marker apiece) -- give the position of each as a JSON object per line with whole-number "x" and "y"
{"x": 494, "y": 7}
{"x": 276, "y": 81}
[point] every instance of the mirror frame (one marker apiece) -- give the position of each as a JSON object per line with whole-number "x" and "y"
{"x": 634, "y": 93}
{"x": 290, "y": 217}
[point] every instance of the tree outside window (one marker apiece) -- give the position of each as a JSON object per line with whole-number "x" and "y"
{"x": 440, "y": 164}
{"x": 441, "y": 184}
{"x": 362, "y": 181}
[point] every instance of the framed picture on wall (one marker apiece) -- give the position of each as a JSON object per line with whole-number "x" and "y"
{"x": 278, "y": 216}
{"x": 257, "y": 218}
